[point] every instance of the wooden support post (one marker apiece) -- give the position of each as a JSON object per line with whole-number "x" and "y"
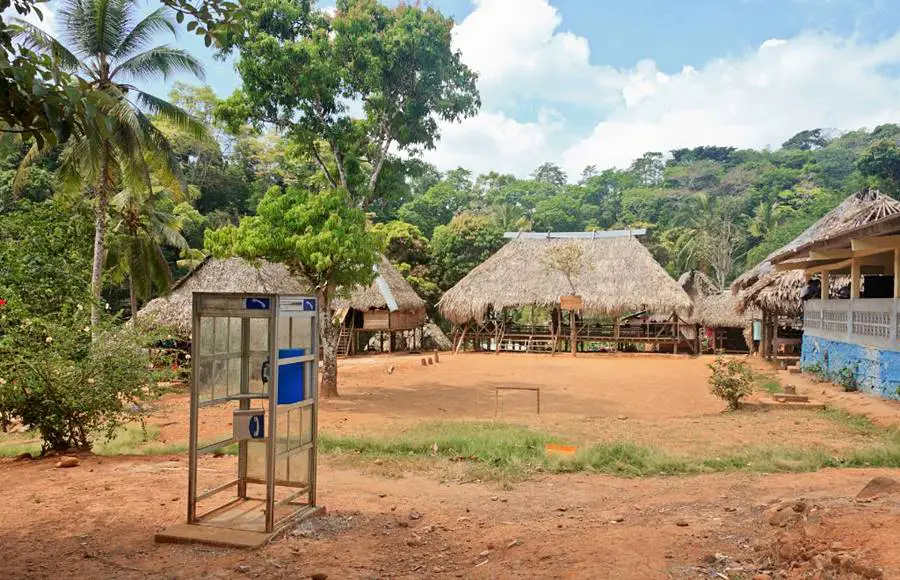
{"x": 462, "y": 337}
{"x": 697, "y": 339}
{"x": 764, "y": 335}
{"x": 897, "y": 273}
{"x": 391, "y": 341}
{"x": 572, "y": 332}
{"x": 825, "y": 280}
{"x": 616, "y": 333}
{"x": 677, "y": 331}
{"x": 713, "y": 340}
{"x": 854, "y": 278}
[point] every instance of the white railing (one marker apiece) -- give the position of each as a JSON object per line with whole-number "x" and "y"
{"x": 867, "y": 321}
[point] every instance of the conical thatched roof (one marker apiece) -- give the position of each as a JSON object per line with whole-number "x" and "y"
{"x": 712, "y": 306}
{"x": 212, "y": 275}
{"x": 612, "y": 275}
{"x": 779, "y": 292}
{"x": 389, "y": 290}
{"x": 696, "y": 284}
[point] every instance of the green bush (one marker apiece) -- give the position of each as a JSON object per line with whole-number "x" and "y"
{"x": 847, "y": 378}
{"x": 68, "y": 387}
{"x": 731, "y": 380}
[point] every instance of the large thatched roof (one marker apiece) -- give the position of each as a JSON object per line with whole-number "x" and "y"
{"x": 779, "y": 292}
{"x": 611, "y": 274}
{"x": 389, "y": 290}
{"x": 712, "y": 306}
{"x": 213, "y": 275}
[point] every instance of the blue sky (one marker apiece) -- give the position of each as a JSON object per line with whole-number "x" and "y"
{"x": 583, "y": 82}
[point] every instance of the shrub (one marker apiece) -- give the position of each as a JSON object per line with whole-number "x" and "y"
{"x": 70, "y": 388}
{"x": 731, "y": 380}
{"x": 847, "y": 378}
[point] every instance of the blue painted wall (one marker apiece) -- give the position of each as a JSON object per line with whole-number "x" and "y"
{"x": 878, "y": 371}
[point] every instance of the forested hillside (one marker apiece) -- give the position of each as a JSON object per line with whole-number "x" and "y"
{"x": 715, "y": 208}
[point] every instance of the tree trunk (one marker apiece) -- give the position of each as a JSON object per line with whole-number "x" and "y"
{"x": 99, "y": 239}
{"x": 132, "y": 296}
{"x": 330, "y": 332}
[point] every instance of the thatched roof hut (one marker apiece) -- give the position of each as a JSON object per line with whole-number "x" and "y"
{"x": 173, "y": 311}
{"x": 389, "y": 290}
{"x": 712, "y": 306}
{"x": 778, "y": 292}
{"x": 612, "y": 275}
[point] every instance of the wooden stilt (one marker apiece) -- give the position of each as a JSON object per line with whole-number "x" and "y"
{"x": 677, "y": 331}
{"x": 572, "y": 333}
{"x": 462, "y": 337}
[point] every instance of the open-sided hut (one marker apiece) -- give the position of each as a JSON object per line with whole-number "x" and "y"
{"x": 610, "y": 273}
{"x": 386, "y": 315}
{"x": 777, "y": 292}
{"x": 717, "y": 312}
{"x": 173, "y": 311}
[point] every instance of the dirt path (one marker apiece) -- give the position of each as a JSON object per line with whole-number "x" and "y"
{"x": 661, "y": 401}
{"x": 98, "y": 521}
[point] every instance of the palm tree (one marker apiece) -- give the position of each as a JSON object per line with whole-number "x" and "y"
{"x": 107, "y": 49}
{"x": 141, "y": 227}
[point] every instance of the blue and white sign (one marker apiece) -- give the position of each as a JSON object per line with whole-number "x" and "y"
{"x": 257, "y": 303}
{"x": 309, "y": 305}
{"x": 257, "y": 427}
{"x": 249, "y": 424}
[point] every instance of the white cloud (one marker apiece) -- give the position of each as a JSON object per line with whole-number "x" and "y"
{"x": 756, "y": 99}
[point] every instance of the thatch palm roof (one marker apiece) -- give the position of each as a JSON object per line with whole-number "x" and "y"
{"x": 389, "y": 290}
{"x": 712, "y": 306}
{"x": 779, "y": 292}
{"x": 612, "y": 275}
{"x": 173, "y": 311}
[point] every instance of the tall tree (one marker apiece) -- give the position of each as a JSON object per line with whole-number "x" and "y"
{"x": 107, "y": 48}
{"x": 302, "y": 67}
{"x": 881, "y": 164}
{"x": 550, "y": 173}
{"x": 318, "y": 236}
{"x": 141, "y": 228}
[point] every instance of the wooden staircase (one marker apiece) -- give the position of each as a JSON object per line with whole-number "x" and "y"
{"x": 345, "y": 340}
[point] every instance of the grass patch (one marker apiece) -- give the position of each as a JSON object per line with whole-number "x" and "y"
{"x": 769, "y": 383}
{"x": 506, "y": 453}
{"x": 853, "y": 422}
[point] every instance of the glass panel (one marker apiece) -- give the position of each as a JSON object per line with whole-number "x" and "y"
{"x": 301, "y": 333}
{"x": 219, "y": 384}
{"x": 234, "y": 375}
{"x": 284, "y": 328}
{"x": 256, "y": 459}
{"x": 259, "y": 334}
{"x": 306, "y": 426}
{"x": 204, "y": 380}
{"x": 221, "y": 335}
{"x": 299, "y": 468}
{"x": 256, "y": 384}
{"x": 234, "y": 336}
{"x": 206, "y": 335}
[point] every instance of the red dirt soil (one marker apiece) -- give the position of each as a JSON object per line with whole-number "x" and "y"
{"x": 97, "y": 520}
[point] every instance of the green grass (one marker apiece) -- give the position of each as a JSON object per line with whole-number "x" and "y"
{"x": 767, "y": 383}
{"x": 508, "y": 452}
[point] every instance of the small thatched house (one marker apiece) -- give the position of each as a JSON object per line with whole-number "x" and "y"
{"x": 717, "y": 312}
{"x": 777, "y": 293}
{"x": 611, "y": 272}
{"x": 173, "y": 311}
{"x": 387, "y": 309}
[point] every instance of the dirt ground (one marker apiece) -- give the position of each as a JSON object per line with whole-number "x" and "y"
{"x": 97, "y": 520}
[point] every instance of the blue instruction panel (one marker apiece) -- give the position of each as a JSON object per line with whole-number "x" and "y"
{"x": 257, "y": 303}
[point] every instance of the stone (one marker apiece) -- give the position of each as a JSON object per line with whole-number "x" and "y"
{"x": 484, "y": 553}
{"x": 622, "y": 417}
{"x": 24, "y": 457}
{"x": 495, "y": 497}
{"x": 430, "y": 361}
{"x": 790, "y": 390}
{"x": 424, "y": 363}
{"x": 318, "y": 576}
{"x": 243, "y": 568}
{"x": 437, "y": 356}
{"x": 710, "y": 559}
{"x": 615, "y": 518}
{"x": 514, "y": 543}
{"x": 878, "y": 487}
{"x": 762, "y": 577}
{"x": 414, "y": 515}
{"x": 867, "y": 571}
{"x": 782, "y": 518}
{"x": 391, "y": 370}
{"x": 68, "y": 462}
{"x": 382, "y": 495}
{"x": 682, "y": 523}
{"x": 378, "y": 462}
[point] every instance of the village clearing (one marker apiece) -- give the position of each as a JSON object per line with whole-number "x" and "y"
{"x": 424, "y": 473}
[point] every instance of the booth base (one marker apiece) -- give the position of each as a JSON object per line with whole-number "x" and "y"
{"x": 217, "y": 533}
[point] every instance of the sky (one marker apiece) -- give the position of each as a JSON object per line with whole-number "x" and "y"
{"x": 600, "y": 82}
